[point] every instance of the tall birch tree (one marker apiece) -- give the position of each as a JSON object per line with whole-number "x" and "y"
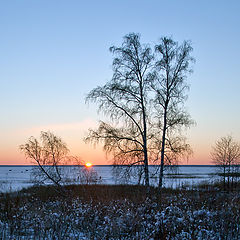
{"x": 125, "y": 100}
{"x": 170, "y": 86}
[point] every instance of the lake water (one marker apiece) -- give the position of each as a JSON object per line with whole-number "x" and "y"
{"x": 14, "y": 178}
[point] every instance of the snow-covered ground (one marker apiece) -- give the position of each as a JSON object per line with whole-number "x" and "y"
{"x": 16, "y": 177}
{"x": 98, "y": 212}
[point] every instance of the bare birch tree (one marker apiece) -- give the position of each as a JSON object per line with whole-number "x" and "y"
{"x": 170, "y": 86}
{"x": 124, "y": 99}
{"x": 145, "y": 101}
{"x": 48, "y": 153}
{"x": 226, "y": 155}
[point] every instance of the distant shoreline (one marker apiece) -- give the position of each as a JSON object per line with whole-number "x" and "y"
{"x": 110, "y": 165}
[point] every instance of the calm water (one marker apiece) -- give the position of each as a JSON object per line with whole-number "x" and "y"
{"x": 16, "y": 177}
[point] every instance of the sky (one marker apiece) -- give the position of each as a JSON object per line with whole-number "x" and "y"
{"x": 52, "y": 53}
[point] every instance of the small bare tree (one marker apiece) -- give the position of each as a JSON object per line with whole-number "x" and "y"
{"x": 48, "y": 153}
{"x": 226, "y": 155}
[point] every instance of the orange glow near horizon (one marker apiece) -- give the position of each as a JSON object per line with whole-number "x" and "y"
{"x": 88, "y": 165}
{"x": 10, "y": 154}
{"x": 97, "y": 157}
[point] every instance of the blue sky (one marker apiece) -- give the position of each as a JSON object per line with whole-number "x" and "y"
{"x": 54, "y": 52}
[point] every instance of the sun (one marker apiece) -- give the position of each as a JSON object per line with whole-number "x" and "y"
{"x": 88, "y": 164}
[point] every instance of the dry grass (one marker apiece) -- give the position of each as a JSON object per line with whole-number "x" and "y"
{"x": 119, "y": 212}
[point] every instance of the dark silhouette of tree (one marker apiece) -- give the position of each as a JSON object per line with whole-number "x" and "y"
{"x": 145, "y": 102}
{"x": 124, "y": 99}
{"x": 48, "y": 153}
{"x": 170, "y": 86}
{"x": 226, "y": 155}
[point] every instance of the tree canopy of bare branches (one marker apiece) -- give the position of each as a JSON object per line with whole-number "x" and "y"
{"x": 124, "y": 100}
{"x": 170, "y": 85}
{"x": 226, "y": 154}
{"x": 48, "y": 153}
{"x": 145, "y": 103}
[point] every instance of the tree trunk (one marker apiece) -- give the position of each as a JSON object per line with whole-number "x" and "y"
{"x": 146, "y": 172}
{"x": 163, "y": 150}
{"x": 228, "y": 177}
{"x": 224, "y": 175}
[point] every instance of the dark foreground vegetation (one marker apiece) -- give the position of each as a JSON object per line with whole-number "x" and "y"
{"x": 119, "y": 212}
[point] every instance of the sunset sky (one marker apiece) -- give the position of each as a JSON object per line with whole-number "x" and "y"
{"x": 52, "y": 53}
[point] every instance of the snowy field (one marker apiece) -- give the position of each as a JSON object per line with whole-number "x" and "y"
{"x": 117, "y": 212}
{"x": 17, "y": 177}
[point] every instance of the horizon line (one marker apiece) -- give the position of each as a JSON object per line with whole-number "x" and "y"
{"x": 102, "y": 165}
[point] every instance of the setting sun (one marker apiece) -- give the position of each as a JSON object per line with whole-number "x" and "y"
{"x": 88, "y": 164}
